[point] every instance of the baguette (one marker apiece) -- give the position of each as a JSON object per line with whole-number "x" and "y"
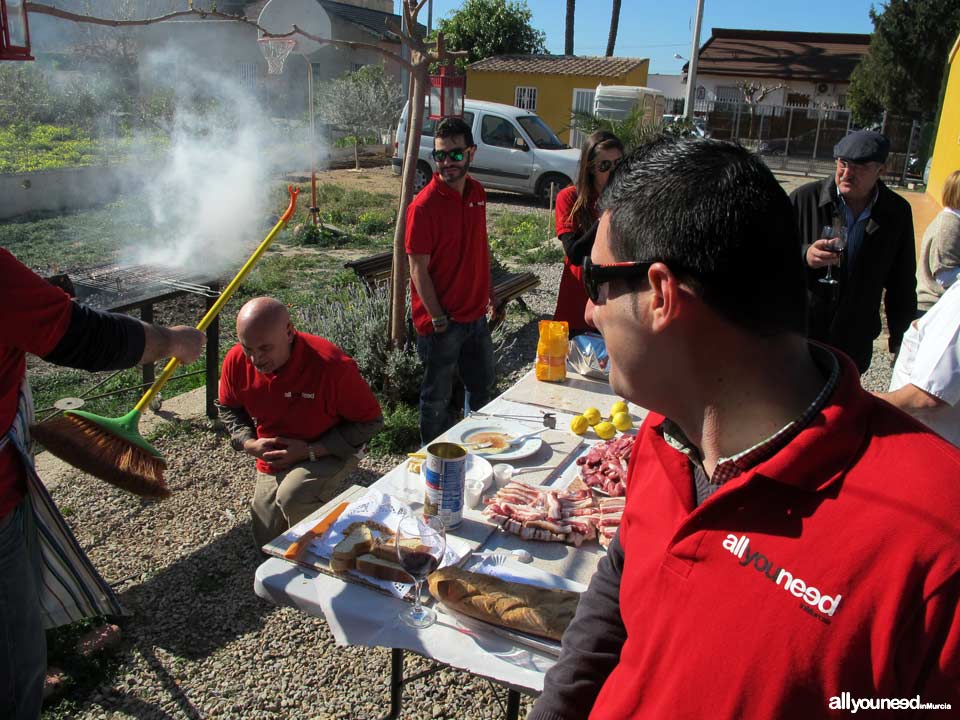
{"x": 381, "y": 569}
{"x": 543, "y": 612}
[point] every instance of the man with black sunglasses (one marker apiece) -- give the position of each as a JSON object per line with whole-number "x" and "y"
{"x": 789, "y": 541}
{"x": 450, "y": 289}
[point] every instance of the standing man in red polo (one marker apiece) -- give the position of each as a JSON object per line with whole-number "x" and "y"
{"x": 450, "y": 291}
{"x": 298, "y": 404}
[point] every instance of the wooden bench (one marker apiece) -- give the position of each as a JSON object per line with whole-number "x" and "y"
{"x": 507, "y": 286}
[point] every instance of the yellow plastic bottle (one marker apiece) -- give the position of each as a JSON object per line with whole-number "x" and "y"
{"x": 552, "y": 351}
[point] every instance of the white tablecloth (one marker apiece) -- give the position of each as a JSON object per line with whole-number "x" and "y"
{"x": 359, "y": 615}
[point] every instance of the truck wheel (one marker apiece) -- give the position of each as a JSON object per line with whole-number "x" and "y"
{"x": 422, "y": 177}
{"x": 543, "y": 187}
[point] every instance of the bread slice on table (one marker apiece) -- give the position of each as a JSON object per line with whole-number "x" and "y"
{"x": 539, "y": 611}
{"x": 345, "y": 552}
{"x": 360, "y": 538}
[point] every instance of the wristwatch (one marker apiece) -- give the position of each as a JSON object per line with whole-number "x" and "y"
{"x": 311, "y": 454}
{"x": 440, "y": 320}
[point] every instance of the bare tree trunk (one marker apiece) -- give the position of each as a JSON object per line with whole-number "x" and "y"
{"x": 568, "y": 37}
{"x": 614, "y": 26}
{"x": 398, "y": 287}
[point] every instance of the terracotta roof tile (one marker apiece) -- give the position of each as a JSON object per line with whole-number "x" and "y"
{"x": 559, "y": 65}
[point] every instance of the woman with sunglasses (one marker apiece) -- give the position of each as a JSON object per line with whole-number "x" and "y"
{"x": 577, "y": 215}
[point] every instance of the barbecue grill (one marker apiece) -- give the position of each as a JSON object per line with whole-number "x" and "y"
{"x": 123, "y": 288}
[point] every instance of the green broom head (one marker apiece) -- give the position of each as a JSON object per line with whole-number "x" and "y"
{"x": 108, "y": 448}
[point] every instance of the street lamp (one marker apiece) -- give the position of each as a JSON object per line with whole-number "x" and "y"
{"x": 446, "y": 93}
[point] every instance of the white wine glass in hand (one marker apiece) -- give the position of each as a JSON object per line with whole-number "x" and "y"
{"x": 420, "y": 546}
{"x": 828, "y": 232}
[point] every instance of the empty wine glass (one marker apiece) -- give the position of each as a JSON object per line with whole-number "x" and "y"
{"x": 829, "y": 232}
{"x": 420, "y": 545}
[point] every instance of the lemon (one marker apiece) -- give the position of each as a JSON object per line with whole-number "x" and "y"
{"x": 579, "y": 425}
{"x": 605, "y": 430}
{"x": 592, "y": 415}
{"x": 618, "y": 407}
{"x": 622, "y": 421}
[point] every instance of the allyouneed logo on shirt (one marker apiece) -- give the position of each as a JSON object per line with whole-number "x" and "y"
{"x": 811, "y": 596}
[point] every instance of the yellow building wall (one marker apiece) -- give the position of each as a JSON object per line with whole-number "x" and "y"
{"x": 554, "y": 92}
{"x": 946, "y": 150}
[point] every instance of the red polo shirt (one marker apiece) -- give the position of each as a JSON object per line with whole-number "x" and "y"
{"x": 452, "y": 230}
{"x": 35, "y": 316}
{"x": 832, "y": 567}
{"x": 317, "y": 388}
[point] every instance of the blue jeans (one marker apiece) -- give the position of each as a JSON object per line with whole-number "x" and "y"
{"x": 465, "y": 347}
{"x": 23, "y": 643}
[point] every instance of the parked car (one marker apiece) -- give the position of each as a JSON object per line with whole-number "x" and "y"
{"x": 516, "y": 150}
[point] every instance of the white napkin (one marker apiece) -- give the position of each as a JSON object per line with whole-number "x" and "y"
{"x": 388, "y": 511}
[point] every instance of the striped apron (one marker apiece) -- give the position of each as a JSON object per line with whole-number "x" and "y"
{"x": 69, "y": 587}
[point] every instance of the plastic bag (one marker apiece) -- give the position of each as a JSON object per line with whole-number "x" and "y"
{"x": 587, "y": 356}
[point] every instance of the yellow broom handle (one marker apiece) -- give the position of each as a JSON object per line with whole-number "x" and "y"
{"x": 205, "y": 321}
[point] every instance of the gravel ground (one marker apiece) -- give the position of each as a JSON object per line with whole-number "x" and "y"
{"x": 200, "y": 643}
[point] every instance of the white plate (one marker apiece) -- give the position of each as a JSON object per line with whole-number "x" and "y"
{"x": 462, "y": 433}
{"x": 477, "y": 469}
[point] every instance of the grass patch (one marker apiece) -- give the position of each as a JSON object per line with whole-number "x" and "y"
{"x": 84, "y": 674}
{"x": 523, "y": 237}
{"x": 48, "y": 387}
{"x": 26, "y": 148}
{"x": 401, "y": 432}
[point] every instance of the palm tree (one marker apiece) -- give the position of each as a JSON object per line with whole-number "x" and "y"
{"x": 568, "y": 38}
{"x": 614, "y": 25}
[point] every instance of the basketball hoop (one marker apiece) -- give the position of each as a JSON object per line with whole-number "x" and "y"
{"x": 275, "y": 50}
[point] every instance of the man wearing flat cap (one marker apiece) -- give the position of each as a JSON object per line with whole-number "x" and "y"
{"x": 879, "y": 256}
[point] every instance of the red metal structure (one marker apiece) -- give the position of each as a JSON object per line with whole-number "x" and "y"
{"x": 14, "y": 31}
{"x": 446, "y": 94}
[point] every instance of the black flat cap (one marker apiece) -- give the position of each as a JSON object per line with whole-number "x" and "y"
{"x": 862, "y": 146}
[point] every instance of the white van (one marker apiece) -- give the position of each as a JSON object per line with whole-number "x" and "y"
{"x": 616, "y": 102}
{"x": 516, "y": 150}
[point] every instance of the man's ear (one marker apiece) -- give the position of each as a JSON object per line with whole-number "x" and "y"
{"x": 665, "y": 298}
{"x": 290, "y": 331}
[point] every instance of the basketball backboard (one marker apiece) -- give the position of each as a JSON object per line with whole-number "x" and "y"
{"x": 279, "y": 16}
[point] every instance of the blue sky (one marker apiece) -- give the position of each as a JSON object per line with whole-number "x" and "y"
{"x": 659, "y": 28}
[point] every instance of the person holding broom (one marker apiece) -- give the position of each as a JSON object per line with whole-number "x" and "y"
{"x": 314, "y": 414}
{"x": 45, "y": 578}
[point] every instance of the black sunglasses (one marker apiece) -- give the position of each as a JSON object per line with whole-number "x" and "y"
{"x": 606, "y": 165}
{"x": 455, "y": 155}
{"x": 596, "y": 275}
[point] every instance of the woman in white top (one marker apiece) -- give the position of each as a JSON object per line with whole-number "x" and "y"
{"x": 939, "y": 262}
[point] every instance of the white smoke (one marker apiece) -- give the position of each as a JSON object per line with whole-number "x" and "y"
{"x": 209, "y": 197}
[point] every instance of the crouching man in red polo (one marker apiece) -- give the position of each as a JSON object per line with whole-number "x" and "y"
{"x": 298, "y": 404}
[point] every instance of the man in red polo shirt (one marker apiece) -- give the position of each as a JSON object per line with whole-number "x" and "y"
{"x": 446, "y": 242}
{"x": 46, "y": 580}
{"x": 298, "y": 404}
{"x": 789, "y": 545}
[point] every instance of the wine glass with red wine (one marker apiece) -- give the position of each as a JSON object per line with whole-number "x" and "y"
{"x": 420, "y": 545}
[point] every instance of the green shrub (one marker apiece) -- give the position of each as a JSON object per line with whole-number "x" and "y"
{"x": 357, "y": 321}
{"x": 350, "y": 140}
{"x": 374, "y": 222}
{"x": 401, "y": 432}
{"x": 524, "y": 238}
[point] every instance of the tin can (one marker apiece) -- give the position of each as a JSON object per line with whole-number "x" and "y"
{"x": 444, "y": 471}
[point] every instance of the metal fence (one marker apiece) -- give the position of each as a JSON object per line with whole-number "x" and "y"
{"x": 801, "y": 139}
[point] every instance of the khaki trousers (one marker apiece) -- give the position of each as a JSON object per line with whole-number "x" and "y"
{"x": 286, "y": 498}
